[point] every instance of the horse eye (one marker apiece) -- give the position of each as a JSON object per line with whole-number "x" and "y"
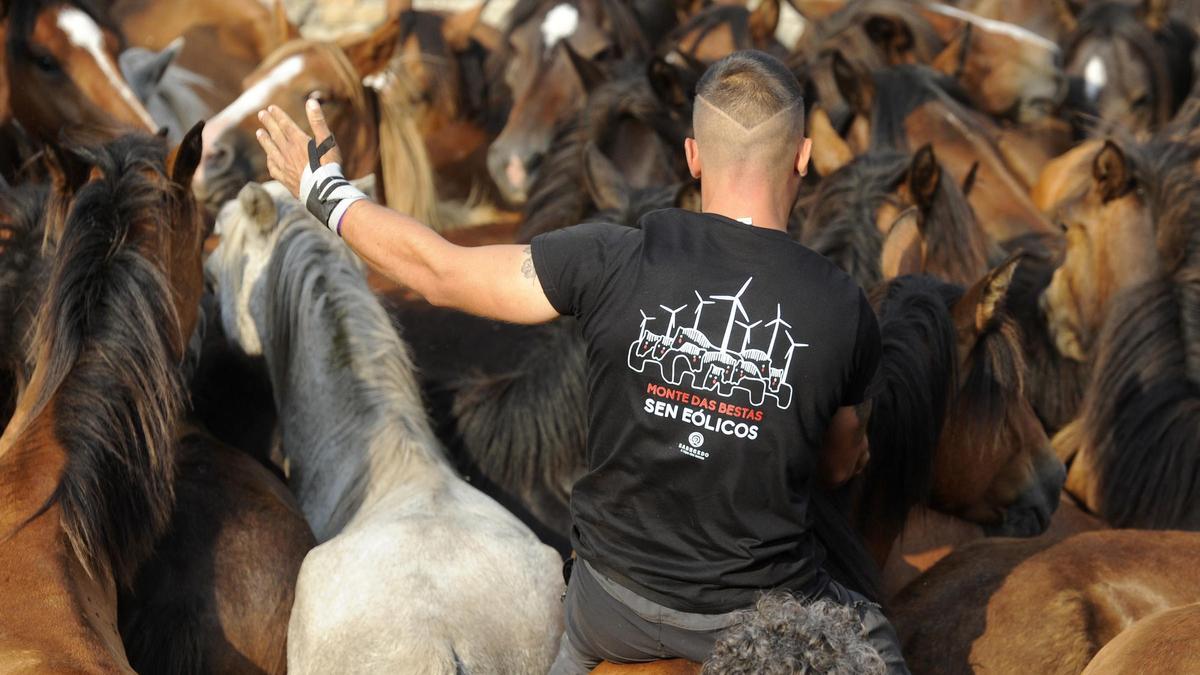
{"x": 46, "y": 63}
{"x": 1141, "y": 101}
{"x": 315, "y": 95}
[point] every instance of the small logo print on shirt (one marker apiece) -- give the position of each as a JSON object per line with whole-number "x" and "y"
{"x": 696, "y": 439}
{"x": 691, "y": 451}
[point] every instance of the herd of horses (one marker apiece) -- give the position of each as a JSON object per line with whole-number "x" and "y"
{"x": 227, "y": 448}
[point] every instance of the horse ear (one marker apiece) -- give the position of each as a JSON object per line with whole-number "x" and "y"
{"x": 953, "y": 59}
{"x": 604, "y": 182}
{"x": 968, "y": 183}
{"x": 856, "y": 86}
{"x": 986, "y": 297}
{"x": 183, "y": 160}
{"x": 1111, "y": 172}
{"x": 924, "y": 177}
{"x": 590, "y": 74}
{"x": 671, "y": 84}
{"x": 67, "y": 169}
{"x": 903, "y": 250}
{"x": 1155, "y": 13}
{"x": 370, "y": 54}
{"x": 763, "y": 22}
{"x": 284, "y": 30}
{"x": 892, "y": 36}
{"x": 830, "y": 151}
{"x": 259, "y": 206}
{"x": 458, "y": 28}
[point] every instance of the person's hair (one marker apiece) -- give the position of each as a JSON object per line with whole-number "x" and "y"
{"x": 749, "y": 109}
{"x": 783, "y": 635}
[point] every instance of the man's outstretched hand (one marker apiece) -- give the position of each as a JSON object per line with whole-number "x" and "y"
{"x": 286, "y": 144}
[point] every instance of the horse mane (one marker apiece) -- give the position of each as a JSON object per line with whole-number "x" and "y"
{"x": 1141, "y": 414}
{"x": 840, "y": 222}
{"x": 556, "y": 199}
{"x": 918, "y": 364}
{"x": 919, "y": 387}
{"x": 1167, "y": 52}
{"x": 317, "y": 289}
{"x": 107, "y": 343}
{"x": 528, "y": 427}
{"x": 899, "y": 90}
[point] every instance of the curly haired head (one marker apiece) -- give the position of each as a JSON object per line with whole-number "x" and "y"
{"x": 784, "y": 635}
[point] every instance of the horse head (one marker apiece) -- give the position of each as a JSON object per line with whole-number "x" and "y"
{"x": 994, "y": 464}
{"x": 1130, "y": 226}
{"x": 64, "y": 57}
{"x": 554, "y": 53}
{"x": 1131, "y": 63}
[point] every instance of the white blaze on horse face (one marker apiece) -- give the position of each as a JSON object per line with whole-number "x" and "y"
{"x": 249, "y": 103}
{"x": 560, "y": 23}
{"x": 1095, "y": 76}
{"x": 84, "y": 33}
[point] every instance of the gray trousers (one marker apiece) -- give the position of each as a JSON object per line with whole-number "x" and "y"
{"x": 607, "y": 622}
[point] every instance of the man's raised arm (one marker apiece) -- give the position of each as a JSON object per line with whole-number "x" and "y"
{"x": 497, "y": 282}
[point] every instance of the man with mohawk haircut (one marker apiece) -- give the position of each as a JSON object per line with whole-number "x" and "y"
{"x": 706, "y": 440}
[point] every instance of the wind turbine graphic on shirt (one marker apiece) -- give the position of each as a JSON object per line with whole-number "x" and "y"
{"x": 699, "y": 309}
{"x": 735, "y": 308}
{"x": 791, "y": 349}
{"x": 748, "y": 327}
{"x": 671, "y": 324}
{"x": 645, "y": 319}
{"x": 775, "y": 324}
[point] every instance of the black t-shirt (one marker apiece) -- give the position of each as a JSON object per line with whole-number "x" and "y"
{"x": 718, "y": 353}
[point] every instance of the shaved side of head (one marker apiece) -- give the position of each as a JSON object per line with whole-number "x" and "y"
{"x": 749, "y": 115}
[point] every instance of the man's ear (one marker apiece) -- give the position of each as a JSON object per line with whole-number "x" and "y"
{"x": 803, "y": 156}
{"x": 692, "y": 152}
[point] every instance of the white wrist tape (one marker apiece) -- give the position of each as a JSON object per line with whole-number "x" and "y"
{"x": 325, "y": 191}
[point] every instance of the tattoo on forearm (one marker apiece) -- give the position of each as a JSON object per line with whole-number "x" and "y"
{"x": 527, "y": 269}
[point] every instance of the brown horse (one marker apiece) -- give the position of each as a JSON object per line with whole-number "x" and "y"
{"x": 951, "y": 426}
{"x": 886, "y": 214}
{"x": 217, "y": 594}
{"x": 87, "y": 458}
{"x": 550, "y": 52}
{"x": 1132, "y": 63}
{"x": 1151, "y": 191}
{"x": 1010, "y": 606}
{"x": 908, "y": 106}
{"x": 63, "y": 54}
{"x": 382, "y": 93}
{"x": 1165, "y": 642}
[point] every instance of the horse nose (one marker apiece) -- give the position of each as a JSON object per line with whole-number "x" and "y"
{"x": 509, "y": 171}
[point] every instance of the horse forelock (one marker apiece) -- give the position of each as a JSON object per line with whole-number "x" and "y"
{"x": 1141, "y": 413}
{"x": 107, "y": 336}
{"x": 957, "y": 247}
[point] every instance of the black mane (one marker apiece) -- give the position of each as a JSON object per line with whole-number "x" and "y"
{"x": 107, "y": 338}
{"x": 899, "y": 91}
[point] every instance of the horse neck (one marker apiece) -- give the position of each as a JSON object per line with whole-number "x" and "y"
{"x": 353, "y": 422}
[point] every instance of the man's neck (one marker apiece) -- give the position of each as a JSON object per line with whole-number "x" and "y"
{"x": 753, "y": 205}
